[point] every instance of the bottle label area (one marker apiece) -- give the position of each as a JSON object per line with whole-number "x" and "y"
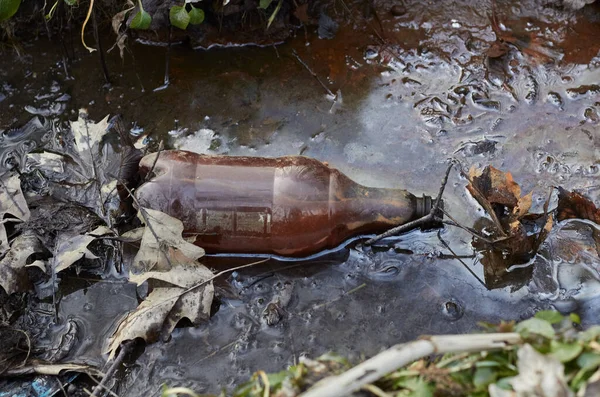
{"x": 241, "y": 221}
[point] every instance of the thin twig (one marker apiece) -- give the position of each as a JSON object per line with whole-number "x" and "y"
{"x": 148, "y": 223}
{"x": 53, "y": 278}
{"x": 49, "y": 369}
{"x": 96, "y": 381}
{"x": 100, "y": 49}
{"x": 344, "y": 294}
{"x": 312, "y": 73}
{"x": 460, "y": 260}
{"x": 455, "y": 223}
{"x": 160, "y": 149}
{"x": 125, "y": 348}
{"x": 199, "y": 285}
{"x": 167, "y": 80}
{"x": 60, "y": 385}
{"x": 417, "y": 222}
{"x": 95, "y": 170}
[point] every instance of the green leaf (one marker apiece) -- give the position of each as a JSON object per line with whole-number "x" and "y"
{"x": 535, "y": 326}
{"x": 179, "y": 17}
{"x": 483, "y": 377}
{"x": 574, "y": 317}
{"x": 552, "y": 316}
{"x": 274, "y": 14}
{"x": 8, "y": 8}
{"x": 589, "y": 334}
{"x": 505, "y": 383}
{"x": 141, "y": 20}
{"x": 565, "y": 352}
{"x": 71, "y": 2}
{"x": 264, "y": 4}
{"x": 589, "y": 361}
{"x": 417, "y": 387}
{"x": 196, "y": 16}
{"x": 487, "y": 363}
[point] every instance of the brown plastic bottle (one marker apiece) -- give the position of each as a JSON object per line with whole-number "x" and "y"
{"x": 291, "y": 206}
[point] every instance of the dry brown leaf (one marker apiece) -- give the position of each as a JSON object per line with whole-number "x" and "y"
{"x": 575, "y": 205}
{"x": 301, "y": 12}
{"x": 523, "y": 206}
{"x": 512, "y": 242}
{"x": 166, "y": 257}
{"x": 496, "y": 186}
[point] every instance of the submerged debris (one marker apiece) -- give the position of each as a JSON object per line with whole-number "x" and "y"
{"x": 510, "y": 239}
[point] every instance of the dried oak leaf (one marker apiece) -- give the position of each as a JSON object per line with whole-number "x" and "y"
{"x": 185, "y": 291}
{"x": 181, "y": 287}
{"x": 161, "y": 234}
{"x": 70, "y": 249}
{"x": 500, "y": 197}
{"x": 495, "y": 190}
{"x": 574, "y": 205}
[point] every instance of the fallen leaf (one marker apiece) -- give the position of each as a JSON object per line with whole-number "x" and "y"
{"x": 88, "y": 137}
{"x": 162, "y": 232}
{"x": 522, "y": 207}
{"x": 40, "y": 264}
{"x": 13, "y": 272}
{"x": 513, "y": 238}
{"x": 496, "y": 186}
{"x": 86, "y": 162}
{"x": 40, "y": 368}
{"x": 574, "y": 205}
{"x": 12, "y": 203}
{"x": 70, "y": 249}
{"x": 183, "y": 288}
{"x": 183, "y": 275}
{"x": 301, "y": 12}
{"x": 539, "y": 375}
{"x": 162, "y": 309}
{"x": 133, "y": 235}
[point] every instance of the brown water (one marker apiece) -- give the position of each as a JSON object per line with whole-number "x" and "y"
{"x": 408, "y": 97}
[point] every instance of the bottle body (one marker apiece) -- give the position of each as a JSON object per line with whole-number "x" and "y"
{"x": 290, "y": 206}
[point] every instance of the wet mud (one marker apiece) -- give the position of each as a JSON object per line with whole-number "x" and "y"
{"x": 399, "y": 89}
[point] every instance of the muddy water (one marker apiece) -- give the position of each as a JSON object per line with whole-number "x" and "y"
{"x": 409, "y": 92}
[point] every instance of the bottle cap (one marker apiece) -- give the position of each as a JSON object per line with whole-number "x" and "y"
{"x": 423, "y": 208}
{"x": 424, "y": 205}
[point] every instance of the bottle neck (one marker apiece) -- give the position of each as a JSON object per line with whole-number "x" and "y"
{"x": 365, "y": 210}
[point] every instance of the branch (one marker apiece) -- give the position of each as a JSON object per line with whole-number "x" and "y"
{"x": 312, "y": 73}
{"x": 431, "y": 217}
{"x": 148, "y": 223}
{"x": 403, "y": 354}
{"x": 125, "y": 348}
{"x": 49, "y": 369}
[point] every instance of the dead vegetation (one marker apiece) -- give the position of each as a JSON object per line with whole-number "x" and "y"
{"x": 82, "y": 223}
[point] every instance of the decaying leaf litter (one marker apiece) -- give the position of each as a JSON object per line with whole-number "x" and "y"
{"x": 560, "y": 239}
{"x": 179, "y": 286}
